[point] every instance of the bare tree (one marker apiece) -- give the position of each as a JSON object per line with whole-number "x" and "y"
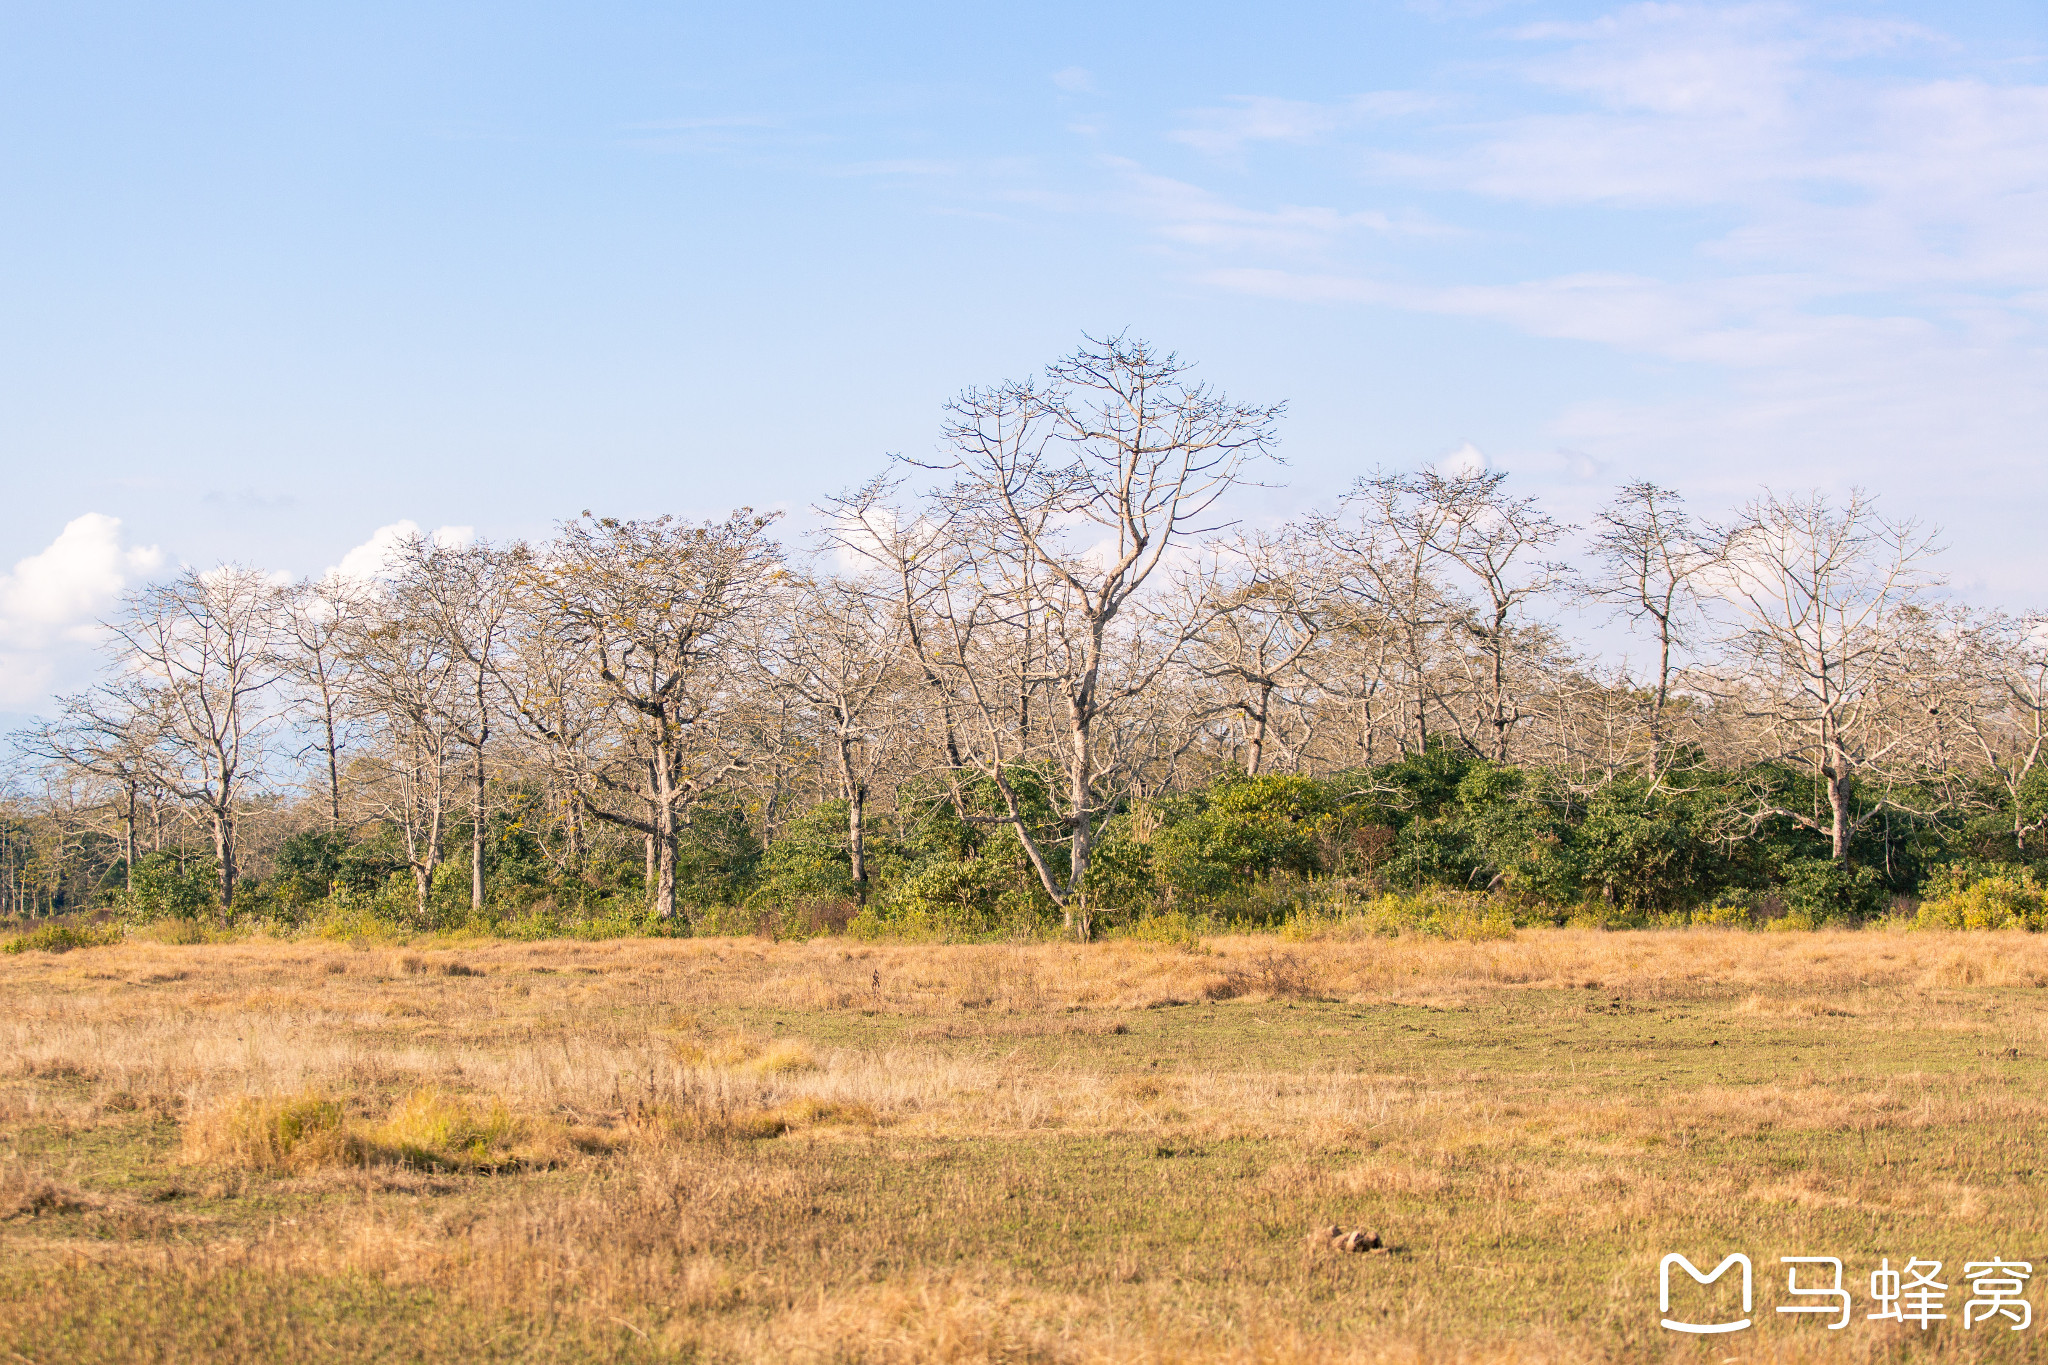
{"x": 1397, "y": 552}
{"x": 1649, "y": 557}
{"x": 319, "y": 617}
{"x": 206, "y": 647}
{"x": 464, "y": 593}
{"x": 842, "y": 654}
{"x": 653, "y": 609}
{"x": 105, "y": 736}
{"x": 2000, "y": 700}
{"x": 1259, "y": 618}
{"x": 1822, "y": 605}
{"x": 1064, "y": 500}
{"x": 407, "y": 680}
{"x": 1494, "y": 539}
{"x": 1383, "y": 571}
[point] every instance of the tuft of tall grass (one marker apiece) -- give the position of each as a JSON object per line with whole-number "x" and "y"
{"x": 429, "y": 1129}
{"x": 432, "y": 1129}
{"x": 275, "y": 1133}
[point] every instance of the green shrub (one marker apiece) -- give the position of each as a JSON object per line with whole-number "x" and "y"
{"x": 1822, "y": 891}
{"x": 1174, "y": 927}
{"x": 1998, "y": 901}
{"x": 1246, "y": 827}
{"x": 351, "y": 918}
{"x": 161, "y": 888}
{"x": 1727, "y": 911}
{"x": 62, "y": 938}
{"x": 1435, "y": 912}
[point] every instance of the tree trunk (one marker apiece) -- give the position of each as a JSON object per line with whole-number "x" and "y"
{"x": 665, "y": 866}
{"x": 224, "y": 851}
{"x": 476, "y": 837}
{"x": 1076, "y": 914}
{"x": 333, "y": 773}
{"x": 128, "y": 840}
{"x": 1838, "y": 808}
{"x": 856, "y": 794}
{"x": 664, "y": 834}
{"x": 856, "y": 841}
{"x": 1255, "y": 741}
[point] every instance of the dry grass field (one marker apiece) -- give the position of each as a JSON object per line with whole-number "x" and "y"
{"x": 736, "y": 1150}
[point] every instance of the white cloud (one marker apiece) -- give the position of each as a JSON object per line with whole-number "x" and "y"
{"x": 1074, "y": 79}
{"x": 61, "y": 592}
{"x": 1463, "y": 463}
{"x": 370, "y": 559}
{"x": 51, "y": 604}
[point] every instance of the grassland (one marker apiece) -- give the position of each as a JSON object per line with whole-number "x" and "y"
{"x": 740, "y": 1150}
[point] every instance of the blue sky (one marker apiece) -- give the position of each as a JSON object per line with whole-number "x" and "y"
{"x": 277, "y": 276}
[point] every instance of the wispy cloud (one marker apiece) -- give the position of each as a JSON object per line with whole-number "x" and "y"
{"x": 1851, "y": 235}
{"x": 1190, "y": 215}
{"x": 1225, "y": 131}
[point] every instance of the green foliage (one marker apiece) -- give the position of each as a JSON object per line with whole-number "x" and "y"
{"x": 716, "y": 857}
{"x": 62, "y": 938}
{"x": 1821, "y": 891}
{"x": 314, "y": 864}
{"x": 1639, "y": 848}
{"x": 812, "y": 858}
{"x": 971, "y": 898}
{"x": 1242, "y": 828}
{"x": 1970, "y": 898}
{"x": 1121, "y": 875}
{"x": 162, "y": 888}
{"x": 1402, "y": 847}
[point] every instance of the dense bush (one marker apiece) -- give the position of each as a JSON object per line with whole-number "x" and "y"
{"x": 1439, "y": 842}
{"x": 62, "y": 938}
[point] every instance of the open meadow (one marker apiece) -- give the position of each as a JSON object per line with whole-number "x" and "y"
{"x": 730, "y": 1149}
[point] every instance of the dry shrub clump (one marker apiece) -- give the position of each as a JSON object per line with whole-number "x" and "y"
{"x": 435, "y": 1130}
{"x": 427, "y": 1130}
{"x": 274, "y": 1133}
{"x": 28, "y": 1193}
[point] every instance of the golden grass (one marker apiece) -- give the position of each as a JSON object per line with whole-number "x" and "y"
{"x": 830, "y": 1151}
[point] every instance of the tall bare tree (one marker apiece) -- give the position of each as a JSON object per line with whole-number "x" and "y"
{"x": 206, "y": 646}
{"x": 1259, "y": 617}
{"x": 1822, "y": 607}
{"x": 464, "y": 594}
{"x": 1064, "y": 499}
{"x": 653, "y": 610}
{"x": 409, "y": 683}
{"x": 319, "y": 617}
{"x": 841, "y": 653}
{"x": 1999, "y": 698}
{"x": 105, "y": 737}
{"x": 1648, "y": 557}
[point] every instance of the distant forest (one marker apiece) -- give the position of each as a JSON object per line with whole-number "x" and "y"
{"x": 1045, "y": 682}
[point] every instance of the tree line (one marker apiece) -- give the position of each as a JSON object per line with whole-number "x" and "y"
{"x": 1048, "y": 654}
